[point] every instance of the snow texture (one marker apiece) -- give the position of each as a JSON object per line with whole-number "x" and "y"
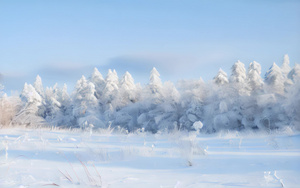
{"x": 107, "y": 158}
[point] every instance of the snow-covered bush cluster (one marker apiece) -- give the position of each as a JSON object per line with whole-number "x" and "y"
{"x": 244, "y": 100}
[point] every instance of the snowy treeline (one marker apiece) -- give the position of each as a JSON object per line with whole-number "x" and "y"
{"x": 243, "y": 100}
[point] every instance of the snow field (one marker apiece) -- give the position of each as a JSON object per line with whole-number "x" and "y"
{"x": 49, "y": 158}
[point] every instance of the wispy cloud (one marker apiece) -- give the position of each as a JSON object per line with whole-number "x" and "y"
{"x": 171, "y": 67}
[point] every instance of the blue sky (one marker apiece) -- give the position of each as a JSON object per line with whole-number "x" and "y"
{"x": 61, "y": 40}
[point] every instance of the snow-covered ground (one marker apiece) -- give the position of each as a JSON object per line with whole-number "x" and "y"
{"x": 50, "y": 158}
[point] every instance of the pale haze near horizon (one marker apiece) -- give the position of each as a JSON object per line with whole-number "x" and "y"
{"x": 62, "y": 40}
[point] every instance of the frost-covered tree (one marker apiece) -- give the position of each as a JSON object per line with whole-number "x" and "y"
{"x": 221, "y": 78}
{"x": 127, "y": 82}
{"x": 220, "y": 110}
{"x": 155, "y": 84}
{"x": 271, "y": 113}
{"x": 221, "y": 107}
{"x": 168, "y": 113}
{"x": 254, "y": 80}
{"x": 152, "y": 97}
{"x": 85, "y": 104}
{"x": 193, "y": 95}
{"x": 294, "y": 74}
{"x": 64, "y": 97}
{"x": 238, "y": 78}
{"x": 128, "y": 89}
{"x": 64, "y": 116}
{"x": 251, "y": 107}
{"x": 238, "y": 74}
{"x": 30, "y": 96}
{"x": 38, "y": 86}
{"x": 274, "y": 79}
{"x": 85, "y": 93}
{"x": 30, "y": 113}
{"x": 285, "y": 67}
{"x": 128, "y": 95}
{"x": 153, "y": 91}
{"x": 163, "y": 115}
{"x": 52, "y": 105}
{"x": 9, "y": 107}
{"x": 292, "y": 104}
{"x": 110, "y": 90}
{"x": 112, "y": 81}
{"x": 240, "y": 103}
{"x": 58, "y": 110}
{"x": 97, "y": 79}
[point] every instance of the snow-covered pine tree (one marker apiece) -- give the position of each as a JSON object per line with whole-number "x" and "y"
{"x": 85, "y": 93}
{"x": 64, "y": 97}
{"x": 52, "y": 111}
{"x": 38, "y": 86}
{"x": 231, "y": 106}
{"x": 97, "y": 79}
{"x": 274, "y": 79}
{"x": 238, "y": 78}
{"x": 221, "y": 78}
{"x": 285, "y": 67}
{"x": 29, "y": 114}
{"x": 110, "y": 90}
{"x": 128, "y": 89}
{"x": 294, "y": 74}
{"x": 30, "y": 96}
{"x": 254, "y": 80}
{"x": 65, "y": 117}
{"x": 152, "y": 96}
{"x": 238, "y": 74}
{"x": 271, "y": 113}
{"x": 128, "y": 95}
{"x": 155, "y": 84}
{"x": 85, "y": 104}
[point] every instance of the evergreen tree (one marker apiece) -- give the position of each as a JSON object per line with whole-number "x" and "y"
{"x": 254, "y": 79}
{"x": 111, "y": 85}
{"x": 294, "y": 74}
{"x": 158, "y": 106}
{"x": 238, "y": 78}
{"x": 152, "y": 97}
{"x": 85, "y": 103}
{"x": 128, "y": 89}
{"x": 221, "y": 78}
{"x": 285, "y": 68}
{"x": 66, "y": 118}
{"x": 238, "y": 74}
{"x": 155, "y": 84}
{"x": 274, "y": 79}
{"x": 30, "y": 113}
{"x": 38, "y": 86}
{"x": 98, "y": 81}
{"x": 52, "y": 111}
